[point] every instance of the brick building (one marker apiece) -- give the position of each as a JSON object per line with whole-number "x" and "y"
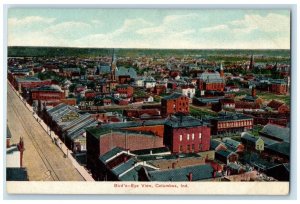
{"x": 210, "y": 81}
{"x": 279, "y": 87}
{"x": 278, "y": 106}
{"x": 124, "y": 90}
{"x": 51, "y": 93}
{"x": 175, "y": 103}
{"x": 186, "y": 134}
{"x": 231, "y": 123}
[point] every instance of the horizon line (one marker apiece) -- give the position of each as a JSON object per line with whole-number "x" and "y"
{"x": 149, "y": 48}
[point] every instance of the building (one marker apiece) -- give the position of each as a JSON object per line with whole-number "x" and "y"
{"x": 226, "y": 156}
{"x": 279, "y": 87}
{"x": 51, "y": 93}
{"x": 252, "y": 97}
{"x": 251, "y": 142}
{"x": 188, "y": 90}
{"x": 233, "y": 145}
{"x": 69, "y": 125}
{"x": 210, "y": 81}
{"x": 231, "y": 123}
{"x": 278, "y": 106}
{"x": 127, "y": 135}
{"x": 124, "y": 90}
{"x": 185, "y": 134}
{"x": 189, "y": 173}
{"x": 149, "y": 82}
{"x": 174, "y": 103}
{"x": 276, "y": 132}
{"x": 241, "y": 106}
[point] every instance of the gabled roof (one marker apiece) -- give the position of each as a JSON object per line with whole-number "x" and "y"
{"x": 173, "y": 96}
{"x": 275, "y": 104}
{"x": 276, "y": 131}
{"x": 282, "y": 148}
{"x": 199, "y": 172}
{"x": 225, "y": 153}
{"x": 215, "y": 143}
{"x": 231, "y": 144}
{"x": 122, "y": 71}
{"x": 110, "y": 154}
{"x": 247, "y": 136}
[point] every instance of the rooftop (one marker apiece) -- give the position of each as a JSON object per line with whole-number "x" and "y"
{"x": 184, "y": 121}
{"x": 199, "y": 172}
{"x": 173, "y": 96}
{"x": 282, "y": 133}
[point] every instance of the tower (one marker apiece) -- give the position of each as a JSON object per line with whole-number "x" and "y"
{"x": 221, "y": 71}
{"x": 113, "y": 66}
{"x": 251, "y": 66}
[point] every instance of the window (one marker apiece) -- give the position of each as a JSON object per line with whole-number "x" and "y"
{"x": 193, "y": 136}
{"x": 188, "y": 137}
{"x": 188, "y": 148}
{"x": 193, "y": 147}
{"x": 200, "y": 135}
{"x": 200, "y": 147}
{"x": 180, "y": 148}
{"x": 180, "y": 137}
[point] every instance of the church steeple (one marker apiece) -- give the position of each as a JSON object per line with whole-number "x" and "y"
{"x": 113, "y": 66}
{"x": 221, "y": 70}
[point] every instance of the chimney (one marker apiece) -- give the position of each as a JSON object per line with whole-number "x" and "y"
{"x": 190, "y": 176}
{"x": 253, "y": 92}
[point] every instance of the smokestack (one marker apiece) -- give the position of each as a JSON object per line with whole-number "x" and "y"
{"x": 253, "y": 92}
{"x": 190, "y": 176}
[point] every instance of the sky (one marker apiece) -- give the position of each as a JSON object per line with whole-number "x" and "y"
{"x": 150, "y": 28}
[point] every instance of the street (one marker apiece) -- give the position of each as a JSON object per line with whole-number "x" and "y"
{"x": 42, "y": 158}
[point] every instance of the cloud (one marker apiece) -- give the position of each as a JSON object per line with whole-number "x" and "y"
{"x": 252, "y": 31}
{"x": 214, "y": 28}
{"x": 29, "y": 20}
{"x": 270, "y": 23}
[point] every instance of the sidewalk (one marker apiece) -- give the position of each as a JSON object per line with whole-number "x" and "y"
{"x": 68, "y": 153}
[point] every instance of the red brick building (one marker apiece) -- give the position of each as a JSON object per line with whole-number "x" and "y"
{"x": 210, "y": 81}
{"x": 124, "y": 90}
{"x": 175, "y": 103}
{"x": 186, "y": 134}
{"x": 47, "y": 93}
{"x": 278, "y": 106}
{"x": 90, "y": 94}
{"x": 279, "y": 88}
{"x": 231, "y": 123}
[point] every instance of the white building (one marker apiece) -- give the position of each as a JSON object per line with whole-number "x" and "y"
{"x": 188, "y": 90}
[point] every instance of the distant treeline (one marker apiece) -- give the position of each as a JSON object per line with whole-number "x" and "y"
{"x": 94, "y": 52}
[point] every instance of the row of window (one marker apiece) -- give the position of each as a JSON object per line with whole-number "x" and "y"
{"x": 190, "y": 148}
{"x": 192, "y": 136}
{"x": 235, "y": 124}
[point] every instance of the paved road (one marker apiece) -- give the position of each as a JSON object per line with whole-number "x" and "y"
{"x": 43, "y": 159}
